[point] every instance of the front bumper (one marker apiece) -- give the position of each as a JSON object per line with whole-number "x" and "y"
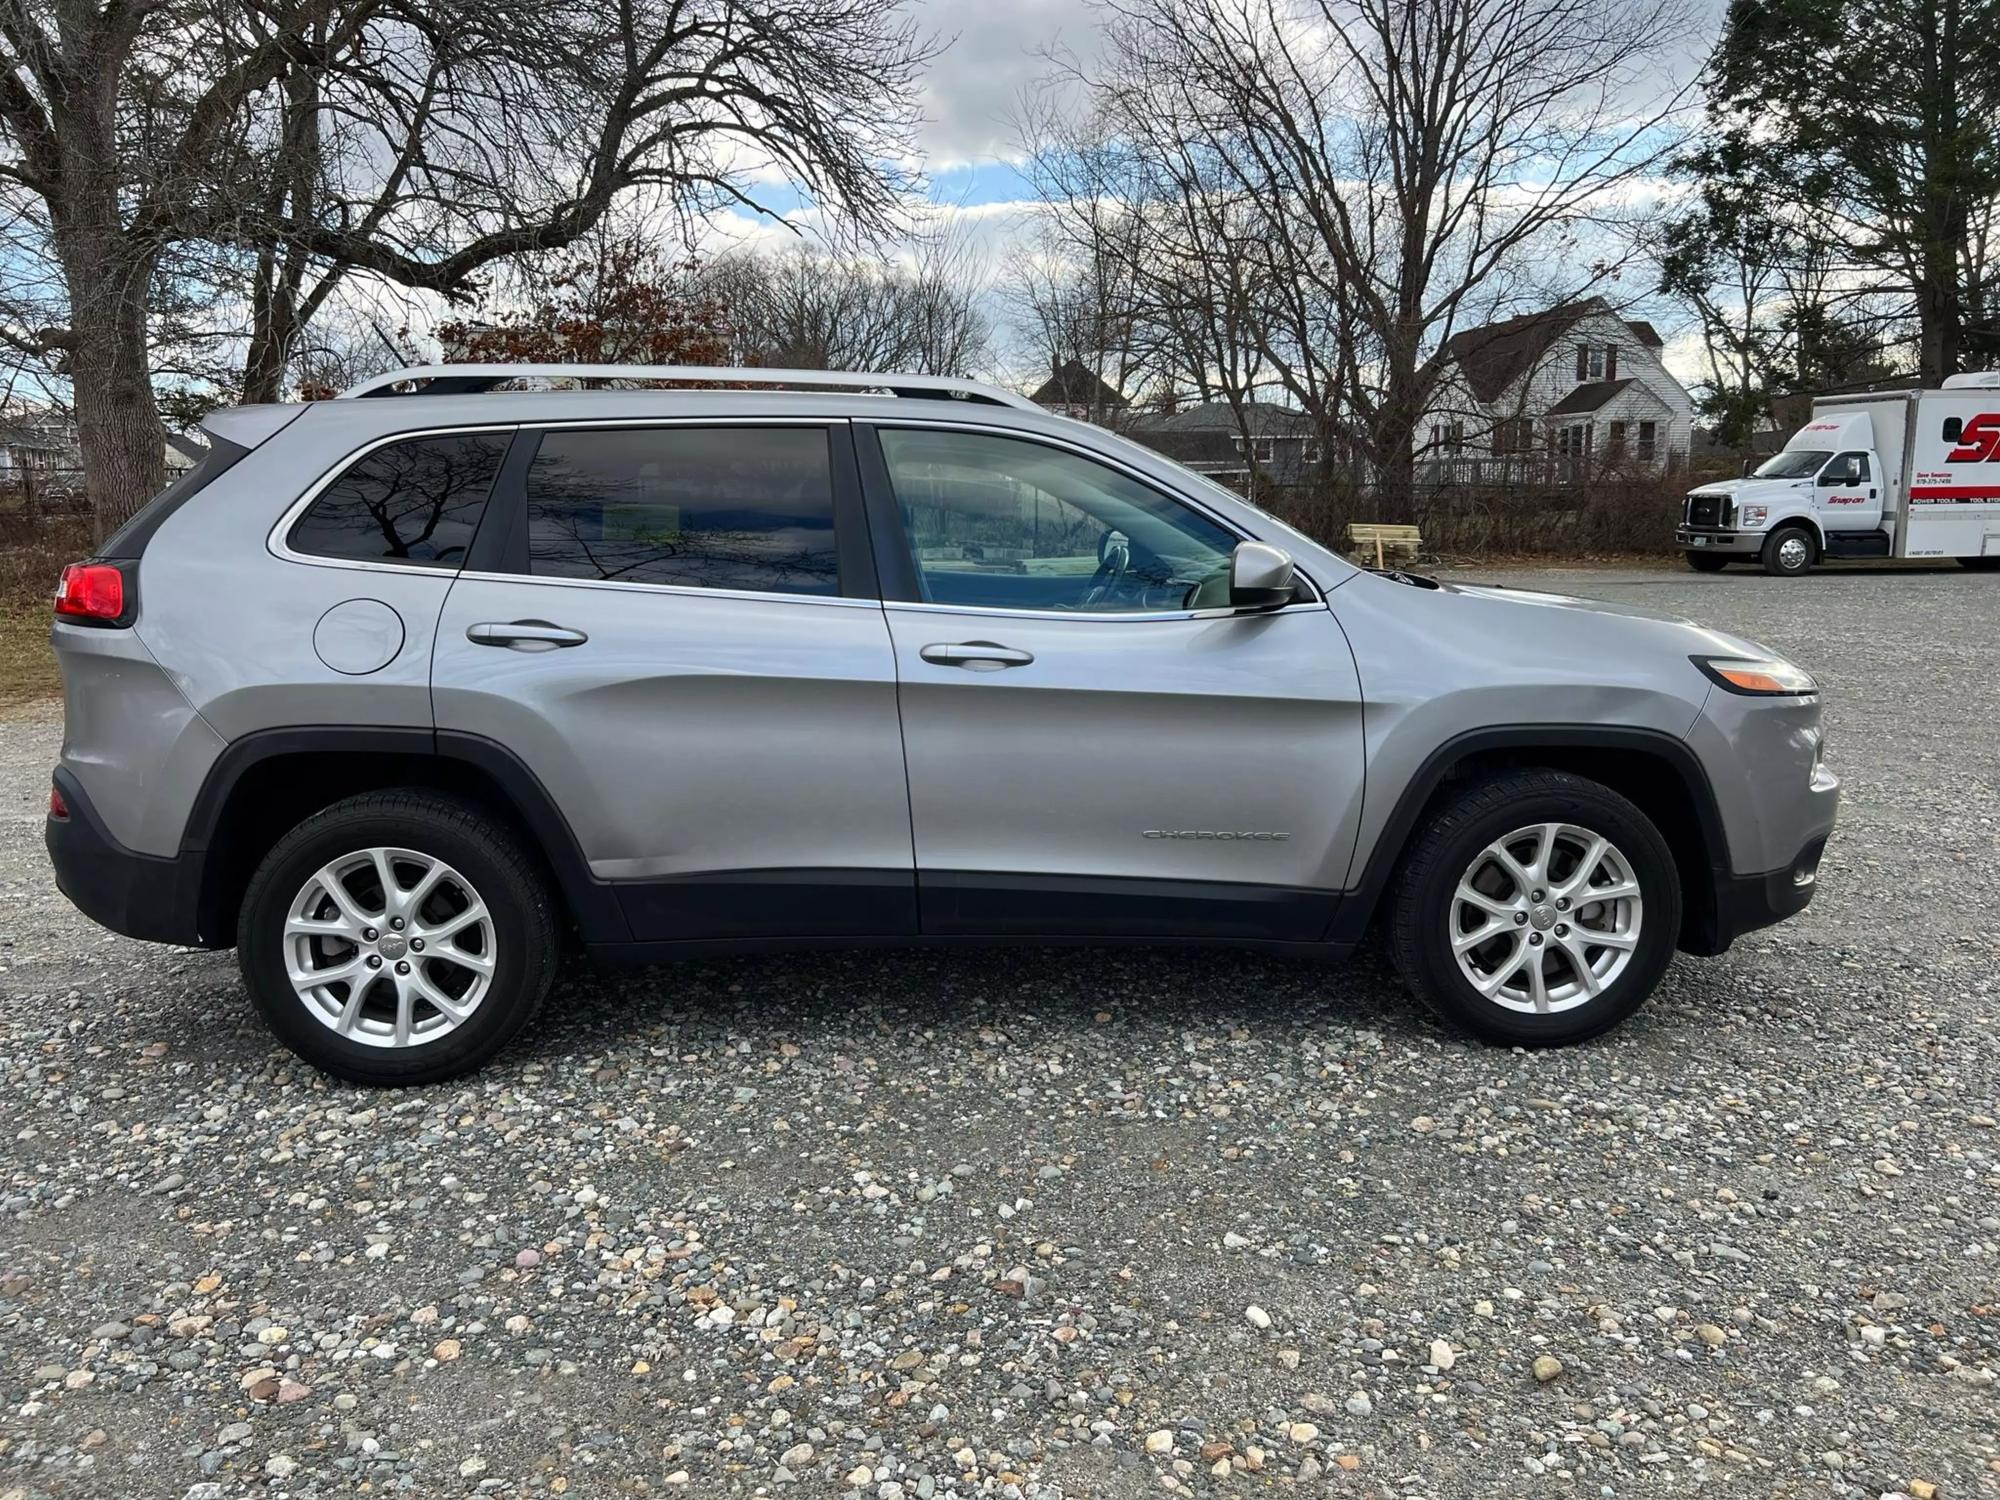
{"x": 139, "y": 895}
{"x": 1703, "y": 539}
{"x": 1744, "y": 903}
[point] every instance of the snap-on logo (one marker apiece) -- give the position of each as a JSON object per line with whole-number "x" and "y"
{"x": 1978, "y": 440}
{"x": 1227, "y": 835}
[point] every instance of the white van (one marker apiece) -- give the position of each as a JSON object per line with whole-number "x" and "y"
{"x": 1878, "y": 474}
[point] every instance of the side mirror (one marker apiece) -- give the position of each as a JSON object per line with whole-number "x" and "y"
{"x": 1749, "y": 464}
{"x": 1260, "y": 577}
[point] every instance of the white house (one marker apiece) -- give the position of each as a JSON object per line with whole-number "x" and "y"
{"x": 1577, "y": 381}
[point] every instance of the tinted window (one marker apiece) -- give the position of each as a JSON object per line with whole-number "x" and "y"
{"x": 997, "y": 521}
{"x": 698, "y": 507}
{"x": 412, "y": 502}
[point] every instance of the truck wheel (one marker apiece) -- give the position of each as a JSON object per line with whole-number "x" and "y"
{"x": 1789, "y": 551}
{"x": 1707, "y": 562}
{"x": 1536, "y": 908}
{"x": 398, "y": 937}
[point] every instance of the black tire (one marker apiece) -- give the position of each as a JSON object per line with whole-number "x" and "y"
{"x": 507, "y": 879}
{"x": 1980, "y": 564}
{"x": 1444, "y": 850}
{"x": 1706, "y": 562}
{"x": 1775, "y": 551}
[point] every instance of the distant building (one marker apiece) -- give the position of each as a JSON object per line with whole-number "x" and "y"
{"x": 1576, "y": 381}
{"x": 183, "y": 453}
{"x": 41, "y": 440}
{"x": 1075, "y": 390}
{"x": 1211, "y": 440}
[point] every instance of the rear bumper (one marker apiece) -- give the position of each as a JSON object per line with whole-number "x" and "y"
{"x": 1701, "y": 539}
{"x": 139, "y": 895}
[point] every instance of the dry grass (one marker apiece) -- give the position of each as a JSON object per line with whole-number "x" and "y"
{"x": 32, "y": 555}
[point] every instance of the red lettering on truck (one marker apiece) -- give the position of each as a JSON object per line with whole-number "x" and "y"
{"x": 1978, "y": 440}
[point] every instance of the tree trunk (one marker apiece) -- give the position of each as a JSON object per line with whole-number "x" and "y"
{"x": 109, "y": 279}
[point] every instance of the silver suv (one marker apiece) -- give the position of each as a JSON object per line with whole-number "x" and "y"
{"x": 398, "y": 694}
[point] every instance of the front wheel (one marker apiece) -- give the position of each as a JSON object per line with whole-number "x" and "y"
{"x": 1537, "y": 908}
{"x": 1707, "y": 562}
{"x": 399, "y": 937}
{"x": 1789, "y": 551}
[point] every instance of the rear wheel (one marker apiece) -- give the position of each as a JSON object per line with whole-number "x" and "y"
{"x": 1790, "y": 551}
{"x": 1707, "y": 562}
{"x": 398, "y": 937}
{"x": 1536, "y": 908}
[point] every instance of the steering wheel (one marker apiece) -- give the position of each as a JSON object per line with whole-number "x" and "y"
{"x": 1114, "y": 557}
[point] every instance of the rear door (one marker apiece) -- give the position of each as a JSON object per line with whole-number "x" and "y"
{"x": 1088, "y": 753}
{"x": 676, "y": 631}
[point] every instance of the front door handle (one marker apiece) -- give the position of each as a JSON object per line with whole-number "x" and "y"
{"x": 524, "y": 635}
{"x": 976, "y": 656}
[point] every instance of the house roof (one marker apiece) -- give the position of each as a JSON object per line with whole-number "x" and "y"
{"x": 16, "y": 436}
{"x": 1590, "y": 397}
{"x": 191, "y": 449}
{"x": 1646, "y": 333}
{"x": 1493, "y": 356}
{"x": 1262, "y": 418}
{"x": 1073, "y": 384}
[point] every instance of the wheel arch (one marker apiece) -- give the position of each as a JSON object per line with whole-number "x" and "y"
{"x": 1656, "y": 772}
{"x": 266, "y": 783}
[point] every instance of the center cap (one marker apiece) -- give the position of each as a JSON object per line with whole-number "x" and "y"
{"x": 393, "y": 945}
{"x": 1543, "y": 917}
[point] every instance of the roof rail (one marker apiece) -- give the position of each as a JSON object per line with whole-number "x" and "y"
{"x": 460, "y": 380}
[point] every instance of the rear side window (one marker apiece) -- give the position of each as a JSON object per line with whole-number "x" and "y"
{"x": 693, "y": 507}
{"x": 417, "y": 501}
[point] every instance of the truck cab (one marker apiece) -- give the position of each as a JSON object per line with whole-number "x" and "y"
{"x": 1821, "y": 495}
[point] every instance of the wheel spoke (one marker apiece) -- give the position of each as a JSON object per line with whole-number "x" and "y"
{"x": 385, "y": 871}
{"x": 333, "y": 927}
{"x": 1579, "y": 961}
{"x": 438, "y": 1000}
{"x": 451, "y": 925}
{"x": 1538, "y": 984}
{"x": 414, "y": 898}
{"x": 478, "y": 963}
{"x": 1497, "y": 980}
{"x": 405, "y": 1006}
{"x": 1545, "y": 848}
{"x": 328, "y": 881}
{"x": 310, "y": 978}
{"x": 1584, "y": 895}
{"x": 345, "y": 1022}
{"x": 1590, "y": 937}
{"x": 1511, "y": 868}
{"x": 1579, "y": 879}
{"x": 1488, "y": 904}
{"x": 1469, "y": 940}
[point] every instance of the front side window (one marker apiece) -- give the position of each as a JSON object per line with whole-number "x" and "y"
{"x": 1849, "y": 468}
{"x": 693, "y": 507}
{"x": 417, "y": 502}
{"x": 1001, "y": 522}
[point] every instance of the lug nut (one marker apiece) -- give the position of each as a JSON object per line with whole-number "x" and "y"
{"x": 370, "y": 933}
{"x": 374, "y": 960}
{"x": 1562, "y": 929}
{"x": 1536, "y": 895}
{"x": 416, "y": 945}
{"x": 1520, "y": 919}
{"x": 397, "y": 923}
{"x": 1535, "y": 939}
{"x": 1562, "y": 903}
{"x": 402, "y": 968}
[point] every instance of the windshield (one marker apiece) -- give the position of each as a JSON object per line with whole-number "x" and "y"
{"x": 1797, "y": 463}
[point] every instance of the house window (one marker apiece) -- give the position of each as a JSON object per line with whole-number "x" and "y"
{"x": 1514, "y": 435}
{"x": 1648, "y": 438}
{"x": 1616, "y": 443}
{"x": 1573, "y": 439}
{"x": 1596, "y": 362}
{"x": 1457, "y": 440}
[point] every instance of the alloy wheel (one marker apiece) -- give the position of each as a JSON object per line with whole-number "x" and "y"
{"x": 1546, "y": 918}
{"x": 389, "y": 947}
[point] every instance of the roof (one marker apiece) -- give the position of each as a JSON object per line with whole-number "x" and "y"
{"x": 15, "y": 436}
{"x": 1645, "y": 333}
{"x": 1074, "y": 384}
{"x": 1262, "y": 418}
{"x": 1493, "y": 356}
{"x": 1589, "y": 397}
{"x": 189, "y": 448}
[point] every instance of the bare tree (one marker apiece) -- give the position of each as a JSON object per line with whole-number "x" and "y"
{"x": 808, "y": 309}
{"x": 1392, "y": 164}
{"x": 416, "y": 141}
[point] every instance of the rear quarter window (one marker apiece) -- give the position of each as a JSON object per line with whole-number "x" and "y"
{"x": 416, "y": 502}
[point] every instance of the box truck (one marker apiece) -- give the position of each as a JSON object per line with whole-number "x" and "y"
{"x": 1879, "y": 474}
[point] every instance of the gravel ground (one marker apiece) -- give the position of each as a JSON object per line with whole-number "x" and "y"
{"x": 1059, "y": 1224}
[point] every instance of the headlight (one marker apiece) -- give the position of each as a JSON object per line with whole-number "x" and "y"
{"x": 1756, "y": 515}
{"x": 1757, "y": 676}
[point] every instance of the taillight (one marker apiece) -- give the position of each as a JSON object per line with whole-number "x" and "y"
{"x": 58, "y": 809}
{"x": 92, "y": 591}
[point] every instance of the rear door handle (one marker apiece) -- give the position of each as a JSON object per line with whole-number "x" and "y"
{"x": 976, "y": 656}
{"x": 524, "y": 635}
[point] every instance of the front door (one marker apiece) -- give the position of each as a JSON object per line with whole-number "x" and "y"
{"x": 674, "y": 635}
{"x": 1087, "y": 752}
{"x": 1848, "y": 492}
